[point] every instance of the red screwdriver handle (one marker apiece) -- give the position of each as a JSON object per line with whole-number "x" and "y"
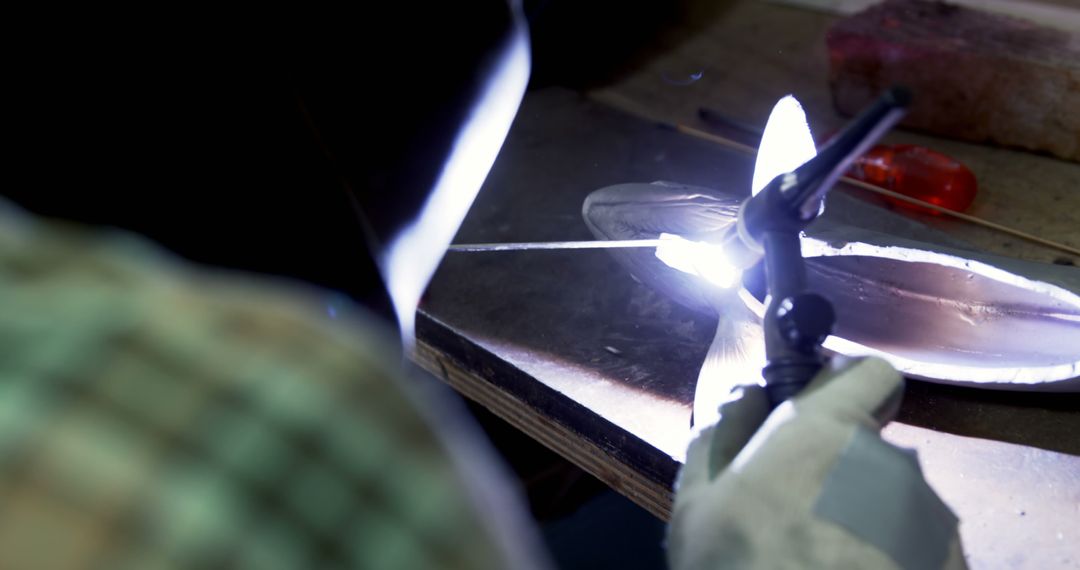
{"x": 917, "y": 172}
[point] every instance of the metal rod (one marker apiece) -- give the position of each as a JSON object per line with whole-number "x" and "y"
{"x": 886, "y": 192}
{"x": 634, "y": 108}
{"x": 550, "y": 245}
{"x": 963, "y": 216}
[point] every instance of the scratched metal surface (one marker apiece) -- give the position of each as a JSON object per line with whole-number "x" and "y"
{"x": 574, "y": 336}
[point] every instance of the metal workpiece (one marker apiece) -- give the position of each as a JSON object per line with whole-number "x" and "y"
{"x": 935, "y": 310}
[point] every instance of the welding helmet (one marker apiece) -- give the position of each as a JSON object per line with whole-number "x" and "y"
{"x": 258, "y": 146}
{"x": 415, "y": 139}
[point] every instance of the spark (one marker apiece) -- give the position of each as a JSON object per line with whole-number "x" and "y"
{"x": 705, "y": 260}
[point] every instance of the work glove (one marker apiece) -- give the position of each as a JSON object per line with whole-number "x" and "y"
{"x": 811, "y": 484}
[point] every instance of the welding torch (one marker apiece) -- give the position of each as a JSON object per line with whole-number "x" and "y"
{"x": 769, "y": 224}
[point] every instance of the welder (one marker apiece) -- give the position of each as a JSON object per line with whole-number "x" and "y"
{"x": 156, "y": 416}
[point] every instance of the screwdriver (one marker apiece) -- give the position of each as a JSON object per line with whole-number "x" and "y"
{"x": 911, "y": 170}
{"x": 918, "y": 172}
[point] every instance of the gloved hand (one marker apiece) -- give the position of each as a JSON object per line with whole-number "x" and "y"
{"x": 811, "y": 485}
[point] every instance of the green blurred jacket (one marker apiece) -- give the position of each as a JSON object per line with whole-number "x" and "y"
{"x": 155, "y": 416}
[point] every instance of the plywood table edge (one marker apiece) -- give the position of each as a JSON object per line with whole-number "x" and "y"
{"x": 620, "y": 476}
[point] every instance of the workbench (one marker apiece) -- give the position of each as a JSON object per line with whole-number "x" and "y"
{"x": 568, "y": 348}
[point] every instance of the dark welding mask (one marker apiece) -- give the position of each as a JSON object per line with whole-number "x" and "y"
{"x": 258, "y": 144}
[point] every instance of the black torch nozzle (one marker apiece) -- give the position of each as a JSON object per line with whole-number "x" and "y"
{"x": 792, "y": 200}
{"x": 813, "y": 179}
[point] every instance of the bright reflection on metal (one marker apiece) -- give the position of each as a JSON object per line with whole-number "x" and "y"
{"x": 412, "y": 257}
{"x": 786, "y": 143}
{"x": 936, "y": 313}
{"x": 737, "y": 352}
{"x": 705, "y": 260}
{"x": 735, "y": 358}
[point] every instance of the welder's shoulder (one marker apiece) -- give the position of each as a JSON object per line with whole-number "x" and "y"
{"x": 67, "y": 285}
{"x": 178, "y": 417}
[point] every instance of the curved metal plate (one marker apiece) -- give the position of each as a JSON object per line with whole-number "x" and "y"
{"x": 937, "y": 313}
